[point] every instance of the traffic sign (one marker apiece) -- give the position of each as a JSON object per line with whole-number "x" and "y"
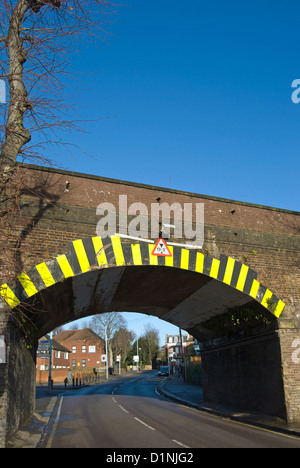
{"x": 103, "y": 357}
{"x": 161, "y": 249}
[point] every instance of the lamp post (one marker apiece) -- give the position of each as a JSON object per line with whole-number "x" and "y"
{"x": 106, "y": 352}
{"x": 50, "y": 365}
{"x": 137, "y": 347}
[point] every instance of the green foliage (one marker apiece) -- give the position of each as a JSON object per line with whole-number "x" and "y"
{"x": 194, "y": 374}
{"x": 239, "y": 318}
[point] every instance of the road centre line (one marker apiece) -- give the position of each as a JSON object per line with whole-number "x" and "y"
{"x": 179, "y": 443}
{"x": 142, "y": 422}
{"x": 125, "y": 410}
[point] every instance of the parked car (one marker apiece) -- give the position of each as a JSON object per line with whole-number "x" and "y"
{"x": 164, "y": 370}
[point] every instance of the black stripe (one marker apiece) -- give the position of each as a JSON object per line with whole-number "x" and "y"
{"x": 127, "y": 252}
{"x": 261, "y": 293}
{"x": 236, "y": 274}
{"x": 20, "y": 292}
{"x": 222, "y": 268}
{"x": 145, "y": 253}
{"x": 177, "y": 256}
{"x": 73, "y": 260}
{"x": 55, "y": 270}
{"x": 90, "y": 251}
{"x": 109, "y": 251}
{"x": 207, "y": 265}
{"x": 192, "y": 260}
{"x": 37, "y": 279}
{"x": 251, "y": 276}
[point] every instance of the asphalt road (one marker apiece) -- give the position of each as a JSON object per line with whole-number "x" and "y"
{"x": 129, "y": 413}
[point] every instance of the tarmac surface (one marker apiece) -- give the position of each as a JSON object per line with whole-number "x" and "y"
{"x": 171, "y": 387}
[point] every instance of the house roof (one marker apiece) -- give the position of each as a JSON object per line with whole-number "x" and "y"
{"x": 78, "y": 335}
{"x": 55, "y": 344}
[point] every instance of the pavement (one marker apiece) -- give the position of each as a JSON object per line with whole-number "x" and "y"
{"x": 192, "y": 395}
{"x": 171, "y": 387}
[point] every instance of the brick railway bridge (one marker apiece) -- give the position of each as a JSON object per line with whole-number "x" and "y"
{"x": 239, "y": 295}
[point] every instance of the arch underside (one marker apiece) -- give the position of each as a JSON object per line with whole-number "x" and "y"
{"x": 98, "y": 275}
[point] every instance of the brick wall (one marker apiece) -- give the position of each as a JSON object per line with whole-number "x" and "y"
{"x": 267, "y": 239}
{"x": 59, "y": 206}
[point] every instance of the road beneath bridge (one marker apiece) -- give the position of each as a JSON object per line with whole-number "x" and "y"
{"x": 130, "y": 413}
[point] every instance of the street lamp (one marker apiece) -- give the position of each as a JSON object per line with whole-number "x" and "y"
{"x": 137, "y": 348}
{"x": 106, "y": 352}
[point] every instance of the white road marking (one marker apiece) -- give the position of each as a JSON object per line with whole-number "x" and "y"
{"x": 142, "y": 422}
{"x": 179, "y": 443}
{"x": 55, "y": 424}
{"x": 125, "y": 410}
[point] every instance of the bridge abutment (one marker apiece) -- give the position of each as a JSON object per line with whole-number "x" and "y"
{"x": 259, "y": 373}
{"x": 17, "y": 380}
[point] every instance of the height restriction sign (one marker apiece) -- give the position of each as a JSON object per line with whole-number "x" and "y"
{"x": 161, "y": 249}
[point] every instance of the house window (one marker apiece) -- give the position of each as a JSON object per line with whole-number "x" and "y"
{"x": 83, "y": 349}
{"x": 57, "y": 354}
{"x": 92, "y": 349}
{"x": 83, "y": 363}
{"x": 66, "y": 355}
{"x": 73, "y": 362}
{"x": 73, "y": 349}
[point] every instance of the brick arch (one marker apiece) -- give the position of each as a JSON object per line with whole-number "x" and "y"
{"x": 95, "y": 253}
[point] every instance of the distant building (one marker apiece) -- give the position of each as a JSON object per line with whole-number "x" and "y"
{"x": 87, "y": 348}
{"x": 60, "y": 354}
{"x": 174, "y": 351}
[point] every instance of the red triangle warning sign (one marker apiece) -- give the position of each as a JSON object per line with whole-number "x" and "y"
{"x": 161, "y": 249}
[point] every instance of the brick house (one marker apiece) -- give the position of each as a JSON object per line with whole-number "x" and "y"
{"x": 60, "y": 355}
{"x": 86, "y": 348}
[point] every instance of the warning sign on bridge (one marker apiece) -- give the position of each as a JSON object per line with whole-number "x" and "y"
{"x": 161, "y": 249}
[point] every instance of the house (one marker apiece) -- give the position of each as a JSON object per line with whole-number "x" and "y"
{"x": 87, "y": 348}
{"x": 175, "y": 350}
{"x": 60, "y": 354}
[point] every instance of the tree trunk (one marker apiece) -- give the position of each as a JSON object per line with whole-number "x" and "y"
{"x": 16, "y": 135}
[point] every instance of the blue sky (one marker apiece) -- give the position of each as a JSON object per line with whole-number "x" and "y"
{"x": 194, "y": 96}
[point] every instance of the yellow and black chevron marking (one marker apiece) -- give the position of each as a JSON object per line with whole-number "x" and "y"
{"x": 91, "y": 253}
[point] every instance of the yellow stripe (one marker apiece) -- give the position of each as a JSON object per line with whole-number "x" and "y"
{"x": 199, "y": 262}
{"x": 81, "y": 255}
{"x": 118, "y": 251}
{"x": 254, "y": 289}
{"x": 65, "y": 266}
{"x": 185, "y": 254}
{"x": 27, "y": 284}
{"x": 9, "y": 296}
{"x": 214, "y": 268}
{"x": 229, "y": 270}
{"x": 45, "y": 274}
{"x": 152, "y": 258}
{"x": 279, "y": 308}
{"x": 169, "y": 260}
{"x": 268, "y": 295}
{"x": 100, "y": 253}
{"x": 136, "y": 254}
{"x": 242, "y": 278}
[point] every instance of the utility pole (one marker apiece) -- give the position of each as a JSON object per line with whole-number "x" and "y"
{"x": 50, "y": 365}
{"x": 183, "y": 357}
{"x": 106, "y": 352}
